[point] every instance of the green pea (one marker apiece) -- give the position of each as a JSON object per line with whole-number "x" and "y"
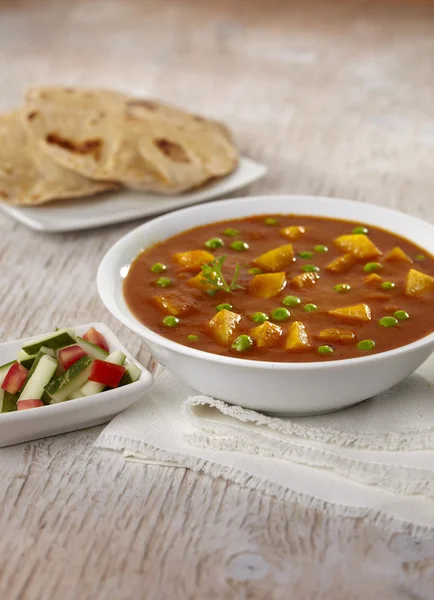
{"x": 231, "y": 232}
{"x": 310, "y": 307}
{"x": 214, "y": 243}
{"x": 366, "y": 345}
{"x": 239, "y": 246}
{"x": 280, "y": 314}
{"x": 158, "y": 268}
{"x": 171, "y": 321}
{"x": 223, "y": 306}
{"x": 211, "y": 292}
{"x": 254, "y": 271}
{"x": 360, "y": 230}
{"x": 260, "y": 317}
{"x": 310, "y": 268}
{"x": 325, "y": 349}
{"x": 291, "y": 301}
{"x": 271, "y": 221}
{"x": 420, "y": 257}
{"x": 401, "y": 315}
{"x": 305, "y": 254}
{"x": 388, "y": 322}
{"x": 371, "y": 267}
{"x": 320, "y": 248}
{"x": 242, "y": 343}
{"x": 164, "y": 282}
{"x": 193, "y": 338}
{"x": 342, "y": 288}
{"x": 387, "y": 285}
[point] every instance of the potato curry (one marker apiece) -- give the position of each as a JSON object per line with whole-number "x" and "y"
{"x": 285, "y": 288}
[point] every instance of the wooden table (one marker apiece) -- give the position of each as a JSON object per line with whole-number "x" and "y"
{"x": 337, "y": 99}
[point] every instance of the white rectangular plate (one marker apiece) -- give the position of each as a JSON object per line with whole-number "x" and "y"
{"x": 117, "y": 207}
{"x": 34, "y": 423}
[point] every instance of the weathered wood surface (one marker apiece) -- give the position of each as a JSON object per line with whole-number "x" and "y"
{"x": 337, "y": 99}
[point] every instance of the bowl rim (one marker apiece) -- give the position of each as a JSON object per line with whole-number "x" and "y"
{"x": 130, "y": 321}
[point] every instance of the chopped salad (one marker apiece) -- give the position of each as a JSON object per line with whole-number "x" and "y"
{"x": 62, "y": 366}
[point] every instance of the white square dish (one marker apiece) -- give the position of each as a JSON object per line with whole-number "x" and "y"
{"x": 23, "y": 426}
{"x": 125, "y": 205}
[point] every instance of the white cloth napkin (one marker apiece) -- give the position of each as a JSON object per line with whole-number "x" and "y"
{"x": 374, "y": 460}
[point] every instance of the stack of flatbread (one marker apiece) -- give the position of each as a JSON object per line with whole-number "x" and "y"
{"x": 72, "y": 142}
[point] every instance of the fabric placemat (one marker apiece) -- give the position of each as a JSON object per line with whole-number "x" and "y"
{"x": 374, "y": 460}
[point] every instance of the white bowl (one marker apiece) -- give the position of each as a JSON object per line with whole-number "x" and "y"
{"x": 286, "y": 388}
{"x": 25, "y": 425}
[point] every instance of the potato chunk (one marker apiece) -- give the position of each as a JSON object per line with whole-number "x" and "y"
{"x": 223, "y": 326}
{"x": 358, "y": 313}
{"x": 304, "y": 280}
{"x": 174, "y": 304}
{"x": 296, "y": 339}
{"x": 193, "y": 259}
{"x": 417, "y": 283}
{"x": 342, "y": 264}
{"x": 396, "y": 254}
{"x": 198, "y": 282}
{"x": 267, "y": 285}
{"x": 334, "y": 334}
{"x": 266, "y": 335}
{"x": 293, "y": 232}
{"x": 276, "y": 259}
{"x": 358, "y": 244}
{"x": 372, "y": 279}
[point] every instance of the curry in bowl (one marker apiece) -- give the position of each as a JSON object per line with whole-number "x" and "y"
{"x": 285, "y": 288}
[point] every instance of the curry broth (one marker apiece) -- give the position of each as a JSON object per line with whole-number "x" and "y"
{"x": 140, "y": 288}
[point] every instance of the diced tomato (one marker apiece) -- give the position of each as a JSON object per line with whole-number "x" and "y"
{"x": 15, "y": 378}
{"x": 25, "y": 404}
{"x": 68, "y": 356}
{"x": 106, "y": 373}
{"x": 94, "y": 337}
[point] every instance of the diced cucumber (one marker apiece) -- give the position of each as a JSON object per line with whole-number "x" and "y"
{"x": 28, "y": 362}
{"x": 39, "y": 355}
{"x": 68, "y": 389}
{"x": 41, "y": 376}
{"x": 132, "y": 374}
{"x": 62, "y": 387}
{"x": 8, "y": 402}
{"x": 25, "y": 359}
{"x": 117, "y": 358}
{"x": 75, "y": 394}
{"x": 92, "y": 350}
{"x": 92, "y": 387}
{"x": 54, "y": 340}
{"x": 4, "y": 370}
{"x": 47, "y": 350}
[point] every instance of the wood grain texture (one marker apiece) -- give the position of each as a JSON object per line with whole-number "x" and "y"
{"x": 336, "y": 98}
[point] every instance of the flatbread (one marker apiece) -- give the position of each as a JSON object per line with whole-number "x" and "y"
{"x": 143, "y": 144}
{"x": 184, "y": 150}
{"x": 29, "y": 177}
{"x": 78, "y": 129}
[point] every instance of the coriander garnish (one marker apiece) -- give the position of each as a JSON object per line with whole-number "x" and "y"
{"x": 214, "y": 278}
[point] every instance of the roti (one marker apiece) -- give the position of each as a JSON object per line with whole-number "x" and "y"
{"x": 184, "y": 150}
{"x": 143, "y": 144}
{"x": 30, "y": 177}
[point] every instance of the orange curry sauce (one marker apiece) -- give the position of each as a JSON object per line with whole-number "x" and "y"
{"x": 142, "y": 294}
